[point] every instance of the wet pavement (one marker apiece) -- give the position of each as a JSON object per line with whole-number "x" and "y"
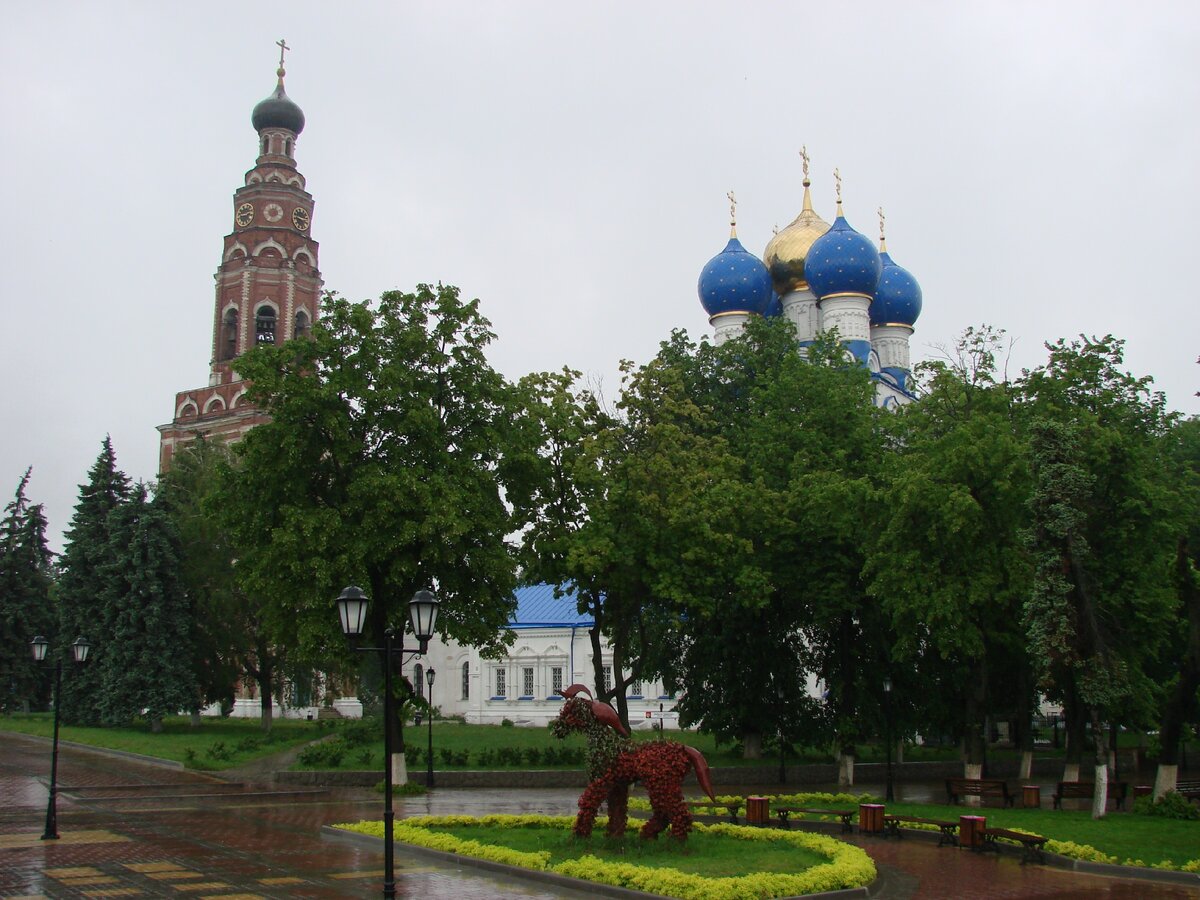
{"x": 130, "y": 829}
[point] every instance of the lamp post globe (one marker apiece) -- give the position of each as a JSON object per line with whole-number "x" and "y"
{"x": 352, "y": 605}
{"x": 39, "y": 645}
{"x": 79, "y": 650}
{"x": 422, "y": 611}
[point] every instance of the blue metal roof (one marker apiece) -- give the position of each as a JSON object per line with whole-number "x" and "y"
{"x": 537, "y": 607}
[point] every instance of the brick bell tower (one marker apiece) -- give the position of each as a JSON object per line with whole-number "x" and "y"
{"x": 268, "y": 285}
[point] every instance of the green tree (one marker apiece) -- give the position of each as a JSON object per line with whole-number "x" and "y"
{"x": 731, "y": 529}
{"x": 1179, "y": 662}
{"x": 26, "y": 579}
{"x": 82, "y": 582}
{"x": 1102, "y": 535}
{"x": 386, "y": 462}
{"x": 226, "y": 635}
{"x": 947, "y": 562}
{"x": 146, "y": 668}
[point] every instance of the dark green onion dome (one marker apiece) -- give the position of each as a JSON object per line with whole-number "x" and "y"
{"x": 278, "y": 111}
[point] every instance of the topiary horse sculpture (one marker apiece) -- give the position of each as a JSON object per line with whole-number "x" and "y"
{"x": 615, "y": 762}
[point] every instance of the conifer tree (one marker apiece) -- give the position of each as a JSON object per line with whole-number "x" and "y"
{"x": 81, "y": 585}
{"x": 25, "y": 598}
{"x": 146, "y": 668}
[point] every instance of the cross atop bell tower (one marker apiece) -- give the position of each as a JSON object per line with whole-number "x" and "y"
{"x": 268, "y": 284}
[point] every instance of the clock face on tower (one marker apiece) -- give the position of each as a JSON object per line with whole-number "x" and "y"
{"x": 300, "y": 218}
{"x": 245, "y": 214}
{"x": 273, "y": 212}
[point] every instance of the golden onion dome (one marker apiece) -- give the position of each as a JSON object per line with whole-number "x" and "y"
{"x": 786, "y": 252}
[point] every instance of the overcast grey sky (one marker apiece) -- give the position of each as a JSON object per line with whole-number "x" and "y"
{"x": 568, "y": 164}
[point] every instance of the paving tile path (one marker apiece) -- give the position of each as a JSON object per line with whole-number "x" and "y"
{"x": 135, "y": 830}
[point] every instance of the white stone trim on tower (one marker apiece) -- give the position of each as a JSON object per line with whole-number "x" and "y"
{"x": 803, "y": 311}
{"x": 728, "y": 325}
{"x": 849, "y": 313}
{"x": 891, "y": 341}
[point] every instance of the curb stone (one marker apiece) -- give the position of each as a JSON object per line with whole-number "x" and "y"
{"x": 1166, "y": 876}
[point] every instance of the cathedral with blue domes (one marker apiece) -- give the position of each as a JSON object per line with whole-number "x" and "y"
{"x": 821, "y": 277}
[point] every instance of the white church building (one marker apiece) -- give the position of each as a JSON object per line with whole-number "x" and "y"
{"x": 552, "y": 649}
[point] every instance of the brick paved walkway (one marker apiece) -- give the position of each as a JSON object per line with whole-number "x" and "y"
{"x": 130, "y": 829}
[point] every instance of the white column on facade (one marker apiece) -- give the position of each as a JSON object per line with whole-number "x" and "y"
{"x": 289, "y": 314}
{"x": 246, "y": 317}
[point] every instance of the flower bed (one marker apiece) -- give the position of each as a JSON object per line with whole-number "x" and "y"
{"x": 845, "y": 866}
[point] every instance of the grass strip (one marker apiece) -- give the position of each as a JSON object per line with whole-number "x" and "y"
{"x": 214, "y": 744}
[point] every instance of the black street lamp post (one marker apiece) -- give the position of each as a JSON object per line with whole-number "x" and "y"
{"x": 887, "y": 695}
{"x": 79, "y": 652}
{"x": 429, "y": 676}
{"x": 422, "y": 610}
{"x": 779, "y": 708}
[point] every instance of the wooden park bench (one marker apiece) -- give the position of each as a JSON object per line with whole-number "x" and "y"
{"x": 949, "y": 830}
{"x": 1189, "y": 790}
{"x": 1031, "y": 844}
{"x": 978, "y": 787}
{"x": 1085, "y": 790}
{"x": 731, "y": 808}
{"x": 782, "y": 813}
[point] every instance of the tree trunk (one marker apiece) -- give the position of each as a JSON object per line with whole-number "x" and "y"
{"x": 1025, "y": 773}
{"x": 846, "y": 767}
{"x": 1165, "y": 779}
{"x": 156, "y": 725}
{"x": 1023, "y": 725}
{"x": 1100, "y": 798}
{"x": 751, "y": 745}
{"x": 1075, "y": 726}
{"x": 266, "y": 693}
{"x": 194, "y": 720}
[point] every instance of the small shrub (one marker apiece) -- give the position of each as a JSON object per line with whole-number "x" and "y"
{"x": 413, "y": 755}
{"x": 508, "y": 756}
{"x": 487, "y": 757}
{"x": 189, "y": 756}
{"x": 326, "y": 755}
{"x": 533, "y": 756}
{"x": 365, "y": 756}
{"x": 219, "y": 751}
{"x": 360, "y": 732}
{"x": 1173, "y": 805}
{"x": 506, "y": 723}
{"x": 408, "y": 789}
{"x": 462, "y": 758}
{"x": 446, "y": 755}
{"x": 249, "y": 744}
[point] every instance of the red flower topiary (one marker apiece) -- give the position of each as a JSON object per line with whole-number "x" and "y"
{"x": 615, "y": 762}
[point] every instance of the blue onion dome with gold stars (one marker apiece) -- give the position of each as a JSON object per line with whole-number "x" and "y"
{"x": 278, "y": 110}
{"x": 735, "y": 280}
{"x": 842, "y": 261}
{"x": 789, "y": 248}
{"x": 898, "y": 297}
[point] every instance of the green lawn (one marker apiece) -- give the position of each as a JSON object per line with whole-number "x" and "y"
{"x": 702, "y": 854}
{"x": 496, "y": 746}
{"x": 216, "y": 744}
{"x": 1123, "y": 835}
